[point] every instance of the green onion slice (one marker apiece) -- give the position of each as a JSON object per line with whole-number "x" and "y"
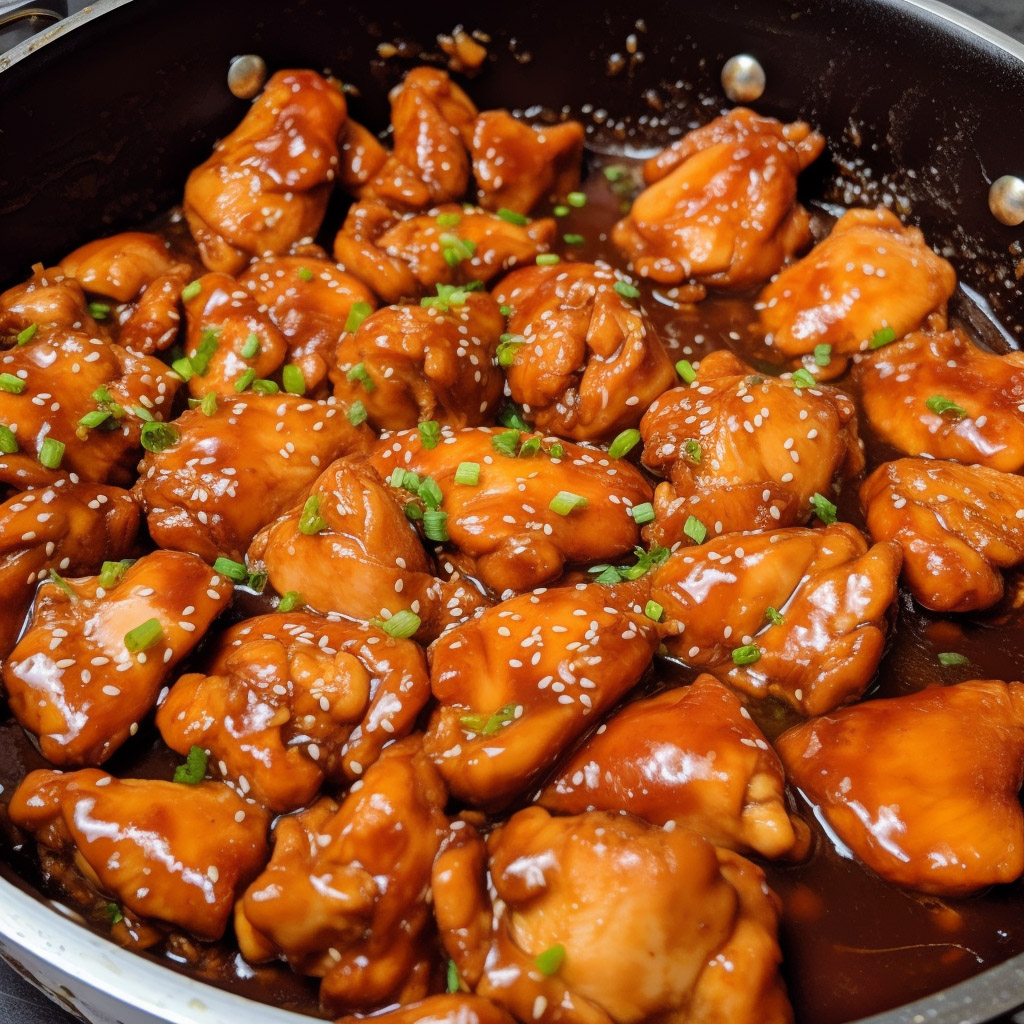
{"x": 565, "y": 502}
{"x": 229, "y": 567}
{"x": 310, "y": 520}
{"x": 468, "y": 474}
{"x": 142, "y": 637}
{"x": 51, "y": 453}
{"x": 358, "y": 312}
{"x": 746, "y": 655}
{"x": 624, "y": 443}
{"x": 685, "y": 370}
{"x": 695, "y": 530}
{"x": 155, "y": 437}
{"x": 193, "y": 771}
{"x": 823, "y": 508}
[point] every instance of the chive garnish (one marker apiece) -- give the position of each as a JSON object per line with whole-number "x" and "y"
{"x": 193, "y": 771}
{"x": 142, "y": 637}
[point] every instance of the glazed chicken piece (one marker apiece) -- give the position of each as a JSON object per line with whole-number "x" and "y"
{"x": 267, "y": 183}
{"x": 290, "y": 699}
{"x": 60, "y": 376}
{"x": 744, "y": 451}
{"x": 690, "y": 756}
{"x": 151, "y": 323}
{"x": 406, "y": 257}
{"x": 942, "y": 396}
{"x": 518, "y": 684}
{"x": 237, "y": 468}
{"x": 118, "y": 267}
{"x": 309, "y": 301}
{"x": 957, "y": 526}
{"x": 721, "y": 208}
{"x": 349, "y": 548}
{"x": 361, "y": 156}
{"x": 922, "y": 788}
{"x": 171, "y": 854}
{"x": 517, "y": 166}
{"x": 424, "y": 363}
{"x": 453, "y": 1008}
{"x": 503, "y": 530}
{"x": 604, "y": 919}
{"x": 797, "y": 614}
{"x": 871, "y": 277}
{"x": 48, "y": 299}
{"x": 344, "y": 896}
{"x": 590, "y": 361}
{"x": 97, "y": 650}
{"x": 73, "y": 529}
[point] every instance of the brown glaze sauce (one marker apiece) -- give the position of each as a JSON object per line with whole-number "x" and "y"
{"x": 853, "y": 944}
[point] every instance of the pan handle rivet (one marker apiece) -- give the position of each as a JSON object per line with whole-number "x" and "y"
{"x": 743, "y": 78}
{"x": 1006, "y": 200}
{"x": 246, "y": 75}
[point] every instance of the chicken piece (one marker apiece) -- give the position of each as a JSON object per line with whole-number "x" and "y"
{"x": 517, "y": 166}
{"x": 942, "y": 396}
{"x": 165, "y": 852}
{"x": 96, "y": 652}
{"x": 922, "y": 788}
{"x": 503, "y": 529}
{"x": 65, "y": 375}
{"x": 72, "y": 528}
{"x": 349, "y": 548}
{"x": 47, "y": 300}
{"x": 721, "y": 208}
{"x": 406, "y": 257}
{"x": 590, "y": 361}
{"x": 957, "y": 526}
{"x": 345, "y": 896}
{"x": 691, "y": 756}
{"x": 309, "y": 301}
{"x": 361, "y": 156}
{"x": 604, "y": 919}
{"x": 453, "y": 1008}
{"x": 221, "y": 319}
{"x": 267, "y": 183}
{"x": 118, "y": 267}
{"x": 871, "y": 276}
{"x": 519, "y": 683}
{"x": 797, "y": 614}
{"x": 151, "y": 323}
{"x": 425, "y": 363}
{"x": 239, "y": 467}
{"x": 794, "y": 441}
{"x": 288, "y": 700}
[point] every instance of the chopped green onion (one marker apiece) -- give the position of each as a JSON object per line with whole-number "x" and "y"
{"x": 251, "y": 346}
{"x": 645, "y": 561}
{"x": 452, "y": 981}
{"x": 99, "y": 310}
{"x": 112, "y": 912}
{"x": 626, "y": 290}
{"x": 953, "y": 658}
{"x": 529, "y": 448}
{"x": 245, "y": 380}
{"x": 577, "y": 199}
{"x": 429, "y": 493}
{"x": 51, "y": 452}
{"x": 290, "y": 600}
{"x": 209, "y": 403}
{"x": 305, "y": 274}
{"x": 413, "y": 512}
{"x": 435, "y": 525}
{"x": 293, "y": 380}
{"x": 606, "y": 574}
{"x": 823, "y": 508}
{"x": 257, "y": 582}
{"x": 550, "y": 960}
{"x": 506, "y": 443}
{"x": 94, "y": 418}
{"x": 359, "y": 373}
{"x": 685, "y": 370}
{"x": 141, "y": 638}
{"x": 547, "y": 259}
{"x": 561, "y": 211}
{"x": 803, "y": 379}
{"x": 773, "y": 616}
{"x": 25, "y": 336}
{"x": 624, "y": 443}
{"x": 310, "y": 520}
{"x": 509, "y": 345}
{"x": 8, "y": 442}
{"x": 265, "y": 387}
{"x": 746, "y": 655}
{"x": 183, "y": 368}
{"x": 11, "y": 384}
{"x": 573, "y": 239}
{"x": 556, "y": 451}
{"x": 882, "y": 337}
{"x": 59, "y": 580}
{"x": 356, "y": 315}
{"x": 493, "y": 723}
{"x": 508, "y": 416}
{"x": 357, "y": 413}
{"x": 155, "y": 437}
{"x": 614, "y": 172}
{"x": 401, "y": 625}
{"x": 693, "y": 450}
{"x": 940, "y": 406}
{"x": 455, "y": 249}
{"x": 209, "y": 342}
{"x": 642, "y": 513}
{"x": 823, "y": 354}
{"x": 512, "y": 217}
{"x": 111, "y": 573}
{"x": 229, "y": 567}
{"x": 448, "y": 220}
{"x": 143, "y": 413}
{"x": 468, "y": 474}
{"x": 430, "y": 434}
{"x": 565, "y": 502}
{"x": 193, "y": 771}
{"x": 190, "y": 291}
{"x": 654, "y": 611}
{"x": 695, "y": 530}
{"x": 505, "y": 309}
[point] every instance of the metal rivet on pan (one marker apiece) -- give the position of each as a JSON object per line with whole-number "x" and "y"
{"x": 1006, "y": 200}
{"x": 743, "y": 78}
{"x": 246, "y": 75}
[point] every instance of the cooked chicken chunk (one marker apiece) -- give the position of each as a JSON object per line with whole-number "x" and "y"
{"x": 721, "y": 206}
{"x": 584, "y": 361}
{"x": 48, "y": 299}
{"x": 361, "y": 157}
{"x": 447, "y": 1009}
{"x": 413, "y": 363}
{"x": 343, "y": 898}
{"x": 118, "y": 267}
{"x": 170, "y": 853}
{"x": 151, "y": 323}
{"x": 504, "y": 529}
{"x": 517, "y": 685}
{"x": 744, "y": 451}
{"x": 73, "y": 528}
{"x": 690, "y": 756}
{"x": 942, "y": 396}
{"x": 797, "y": 614}
{"x": 871, "y": 278}
{"x": 290, "y": 699}
{"x": 605, "y": 919}
{"x": 267, "y": 183}
{"x": 349, "y": 548}
{"x": 237, "y": 467}
{"x": 91, "y": 663}
{"x": 922, "y": 788}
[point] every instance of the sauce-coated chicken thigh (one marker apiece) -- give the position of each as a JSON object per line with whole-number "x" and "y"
{"x": 118, "y": 267}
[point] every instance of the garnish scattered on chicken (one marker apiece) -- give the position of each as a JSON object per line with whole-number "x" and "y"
{"x": 349, "y": 548}
{"x": 583, "y": 359}
{"x": 690, "y": 756}
{"x": 290, "y": 699}
{"x": 720, "y": 207}
{"x": 744, "y": 451}
{"x": 168, "y": 852}
{"x": 870, "y": 280}
{"x": 98, "y": 648}
{"x": 343, "y": 896}
{"x": 797, "y": 614}
{"x": 236, "y": 465}
{"x": 517, "y": 685}
{"x": 434, "y": 361}
{"x": 267, "y": 183}
{"x": 942, "y": 396}
{"x": 516, "y": 507}
{"x": 602, "y": 918}
{"x": 922, "y": 788}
